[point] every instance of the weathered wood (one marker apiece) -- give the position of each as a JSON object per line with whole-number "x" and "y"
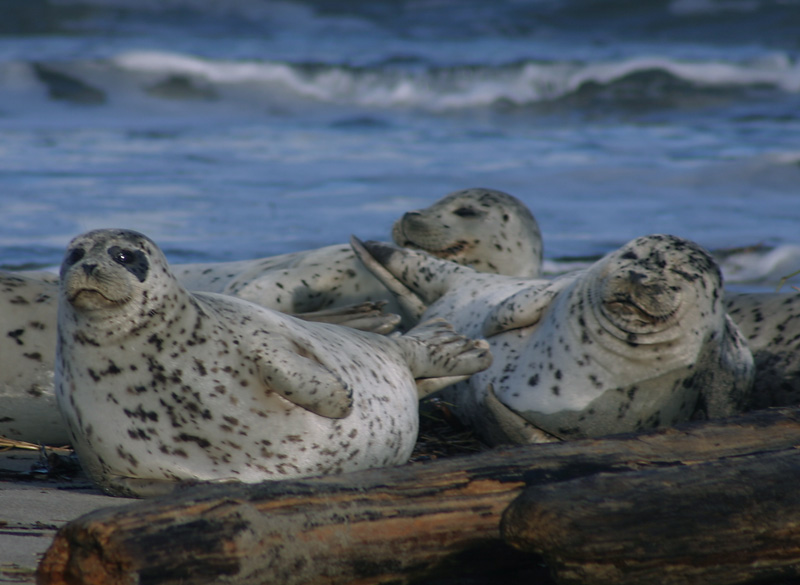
{"x": 377, "y": 526}
{"x": 731, "y": 521}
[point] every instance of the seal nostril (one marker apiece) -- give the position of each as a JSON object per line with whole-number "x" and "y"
{"x": 89, "y": 267}
{"x": 636, "y": 277}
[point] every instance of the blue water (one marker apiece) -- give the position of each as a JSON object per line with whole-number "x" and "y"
{"x": 230, "y": 130}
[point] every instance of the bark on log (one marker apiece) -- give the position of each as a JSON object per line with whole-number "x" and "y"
{"x": 378, "y": 526}
{"x": 731, "y": 521}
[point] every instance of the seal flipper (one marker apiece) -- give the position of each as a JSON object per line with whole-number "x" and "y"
{"x": 510, "y": 427}
{"x": 438, "y": 356}
{"x": 367, "y": 316}
{"x": 308, "y": 383}
{"x": 728, "y": 389}
{"x": 409, "y": 301}
{"x": 521, "y": 309}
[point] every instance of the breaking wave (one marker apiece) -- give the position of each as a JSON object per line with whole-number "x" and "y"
{"x": 416, "y": 85}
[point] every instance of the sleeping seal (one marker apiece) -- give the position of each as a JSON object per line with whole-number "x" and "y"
{"x": 489, "y": 230}
{"x": 158, "y": 385}
{"x": 638, "y": 340}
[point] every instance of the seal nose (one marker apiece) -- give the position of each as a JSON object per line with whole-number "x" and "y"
{"x": 89, "y": 268}
{"x": 636, "y": 277}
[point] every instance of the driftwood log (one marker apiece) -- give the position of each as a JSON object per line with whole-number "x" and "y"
{"x": 731, "y": 521}
{"x": 409, "y": 523}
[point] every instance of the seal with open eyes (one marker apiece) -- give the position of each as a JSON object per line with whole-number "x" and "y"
{"x": 158, "y": 385}
{"x": 638, "y": 340}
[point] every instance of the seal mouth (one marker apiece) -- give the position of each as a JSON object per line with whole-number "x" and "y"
{"x": 444, "y": 253}
{"x": 90, "y": 298}
{"x": 625, "y": 305}
{"x": 636, "y": 304}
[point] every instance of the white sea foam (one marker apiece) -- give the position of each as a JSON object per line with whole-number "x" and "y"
{"x": 762, "y": 267}
{"x": 460, "y": 86}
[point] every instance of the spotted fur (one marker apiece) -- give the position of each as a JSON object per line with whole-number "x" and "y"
{"x": 770, "y": 322}
{"x": 28, "y": 409}
{"x": 489, "y": 230}
{"x": 158, "y": 385}
{"x": 638, "y": 340}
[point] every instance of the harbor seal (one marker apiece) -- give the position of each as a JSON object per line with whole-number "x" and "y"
{"x": 28, "y": 410}
{"x": 770, "y": 323}
{"x": 486, "y": 229}
{"x": 638, "y": 340}
{"x": 158, "y": 385}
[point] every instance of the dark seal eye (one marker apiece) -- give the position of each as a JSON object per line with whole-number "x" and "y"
{"x": 134, "y": 261}
{"x": 466, "y": 212}
{"x": 74, "y": 256}
{"x": 122, "y": 256}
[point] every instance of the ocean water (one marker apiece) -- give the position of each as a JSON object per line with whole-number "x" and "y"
{"x": 245, "y": 128}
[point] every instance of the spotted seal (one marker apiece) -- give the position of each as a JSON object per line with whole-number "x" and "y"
{"x": 640, "y": 339}
{"x": 28, "y": 409}
{"x": 770, "y": 322}
{"x": 158, "y": 385}
{"x": 487, "y": 229}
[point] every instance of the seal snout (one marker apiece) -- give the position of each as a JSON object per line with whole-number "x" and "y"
{"x": 640, "y": 301}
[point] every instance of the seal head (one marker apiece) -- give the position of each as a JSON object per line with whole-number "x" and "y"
{"x": 486, "y": 229}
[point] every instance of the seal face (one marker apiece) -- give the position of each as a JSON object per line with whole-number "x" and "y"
{"x": 159, "y": 385}
{"x": 638, "y": 340}
{"x": 489, "y": 230}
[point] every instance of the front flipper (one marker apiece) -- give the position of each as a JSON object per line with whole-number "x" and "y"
{"x": 307, "y": 383}
{"x": 509, "y": 427}
{"x": 522, "y": 309}
{"x": 368, "y": 316}
{"x": 438, "y": 356}
{"x": 410, "y": 302}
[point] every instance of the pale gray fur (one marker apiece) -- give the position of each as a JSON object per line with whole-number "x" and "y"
{"x": 158, "y": 385}
{"x": 28, "y": 409}
{"x": 305, "y": 283}
{"x": 770, "y": 323}
{"x": 489, "y": 230}
{"x": 638, "y": 340}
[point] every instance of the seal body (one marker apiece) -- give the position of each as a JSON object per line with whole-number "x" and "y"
{"x": 770, "y": 322}
{"x": 638, "y": 340}
{"x": 486, "y": 229}
{"x": 158, "y": 385}
{"x": 28, "y": 409}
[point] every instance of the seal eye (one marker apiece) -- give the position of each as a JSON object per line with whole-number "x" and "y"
{"x": 465, "y": 212}
{"x": 134, "y": 261}
{"x": 122, "y": 256}
{"x": 74, "y": 256}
